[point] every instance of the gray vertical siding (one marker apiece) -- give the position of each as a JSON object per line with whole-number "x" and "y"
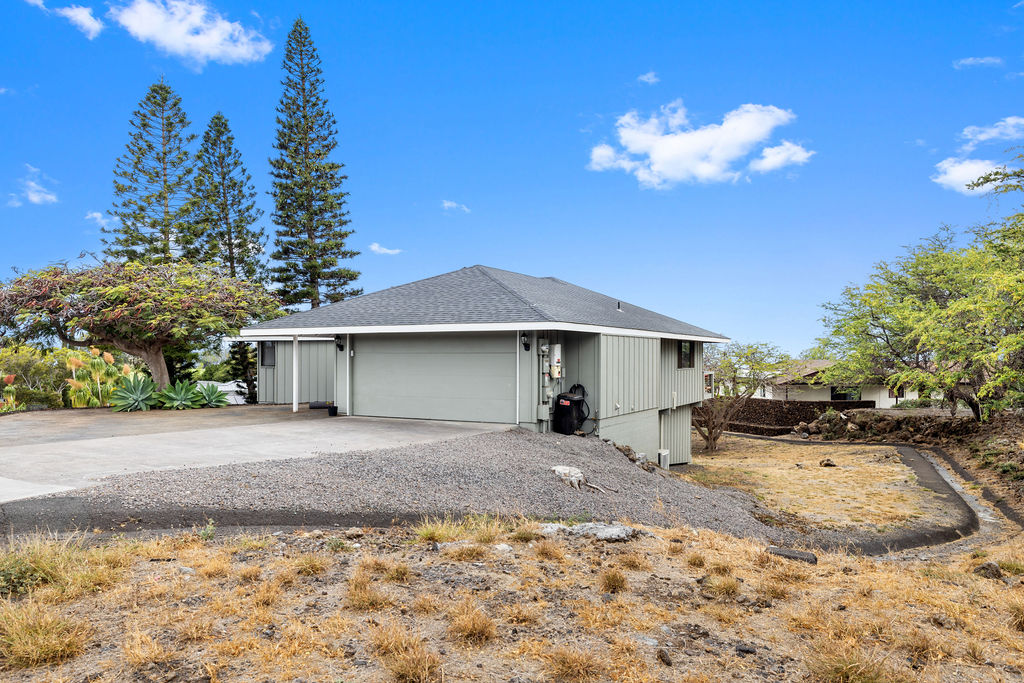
{"x": 688, "y": 383}
{"x": 639, "y": 430}
{"x": 675, "y": 434}
{"x": 316, "y": 373}
{"x": 629, "y": 375}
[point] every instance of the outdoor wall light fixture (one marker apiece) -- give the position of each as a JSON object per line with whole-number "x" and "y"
{"x": 525, "y": 339}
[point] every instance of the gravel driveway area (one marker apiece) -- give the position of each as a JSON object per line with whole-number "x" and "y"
{"x": 504, "y": 472}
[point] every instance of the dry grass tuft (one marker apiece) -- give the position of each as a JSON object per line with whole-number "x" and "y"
{"x": 32, "y": 634}
{"x": 267, "y": 593}
{"x": 310, "y": 564}
{"x": 471, "y": 623}
{"x": 64, "y": 566}
{"x": 1016, "y": 608}
{"x": 390, "y": 639}
{"x": 215, "y": 568}
{"x": 719, "y": 568}
{"x": 486, "y": 528}
{"x": 405, "y": 655}
{"x": 723, "y": 586}
{"x": 526, "y": 532}
{"x": 772, "y": 589}
{"x": 432, "y": 530}
{"x": 573, "y": 665}
{"x": 141, "y": 649}
{"x": 425, "y": 603}
{"x": 922, "y": 647}
{"x": 612, "y": 581}
{"x": 634, "y": 561}
{"x": 398, "y": 572}
{"x": 249, "y": 574}
{"x": 837, "y": 663}
{"x": 549, "y": 550}
{"x": 362, "y": 595}
{"x": 195, "y": 628}
{"x": 522, "y": 613}
{"x": 695, "y": 560}
{"x": 676, "y": 547}
{"x": 469, "y": 552}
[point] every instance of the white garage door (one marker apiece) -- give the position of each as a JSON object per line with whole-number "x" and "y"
{"x": 436, "y": 377}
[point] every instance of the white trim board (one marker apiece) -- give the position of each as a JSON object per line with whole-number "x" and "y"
{"x": 312, "y": 333}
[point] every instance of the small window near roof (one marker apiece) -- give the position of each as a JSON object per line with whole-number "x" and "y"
{"x": 899, "y": 393}
{"x": 268, "y": 354}
{"x": 685, "y": 354}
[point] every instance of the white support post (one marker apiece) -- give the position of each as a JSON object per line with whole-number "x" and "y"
{"x": 348, "y": 374}
{"x": 295, "y": 374}
{"x": 517, "y": 374}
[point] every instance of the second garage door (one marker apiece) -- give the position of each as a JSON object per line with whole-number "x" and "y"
{"x": 436, "y": 377}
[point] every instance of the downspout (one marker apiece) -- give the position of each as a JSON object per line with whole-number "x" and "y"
{"x": 348, "y": 374}
{"x": 516, "y": 342}
{"x": 295, "y": 374}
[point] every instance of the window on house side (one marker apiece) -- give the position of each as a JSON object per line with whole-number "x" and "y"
{"x": 896, "y": 394}
{"x": 268, "y": 354}
{"x": 685, "y": 359}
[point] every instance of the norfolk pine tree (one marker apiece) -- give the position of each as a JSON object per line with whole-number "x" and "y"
{"x": 225, "y": 217}
{"x": 309, "y": 203}
{"x": 152, "y": 183}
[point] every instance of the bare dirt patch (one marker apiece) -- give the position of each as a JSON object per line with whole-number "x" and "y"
{"x": 868, "y": 486}
{"x": 693, "y": 606}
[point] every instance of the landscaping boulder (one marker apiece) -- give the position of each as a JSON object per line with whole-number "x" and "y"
{"x": 989, "y": 570}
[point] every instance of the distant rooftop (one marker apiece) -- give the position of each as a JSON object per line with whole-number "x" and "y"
{"x": 482, "y": 295}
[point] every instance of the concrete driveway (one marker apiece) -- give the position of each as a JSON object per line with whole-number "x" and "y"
{"x": 49, "y": 451}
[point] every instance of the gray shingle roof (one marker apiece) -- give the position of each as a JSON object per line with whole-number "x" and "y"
{"x": 480, "y": 294}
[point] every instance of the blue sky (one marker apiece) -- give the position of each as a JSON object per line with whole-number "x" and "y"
{"x": 729, "y": 164}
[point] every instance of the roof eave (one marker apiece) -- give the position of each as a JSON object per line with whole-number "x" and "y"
{"x": 270, "y": 333}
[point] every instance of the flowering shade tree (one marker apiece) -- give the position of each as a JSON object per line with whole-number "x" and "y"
{"x": 135, "y": 307}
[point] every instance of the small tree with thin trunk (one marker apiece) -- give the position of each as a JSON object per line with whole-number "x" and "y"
{"x": 739, "y": 371}
{"x": 138, "y": 308}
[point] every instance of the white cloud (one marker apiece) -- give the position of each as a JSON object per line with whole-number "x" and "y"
{"x": 967, "y": 62}
{"x": 665, "y": 149}
{"x": 98, "y": 218}
{"x": 449, "y": 205}
{"x": 786, "y": 154}
{"x": 192, "y": 30}
{"x": 377, "y": 249}
{"x": 83, "y": 19}
{"x": 954, "y": 173}
{"x": 32, "y": 188}
{"x": 650, "y": 78}
{"x": 1009, "y": 128}
{"x": 36, "y": 3}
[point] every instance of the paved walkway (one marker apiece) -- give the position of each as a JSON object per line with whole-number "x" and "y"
{"x": 50, "y": 451}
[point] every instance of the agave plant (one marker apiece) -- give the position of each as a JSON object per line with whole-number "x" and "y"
{"x": 180, "y": 396}
{"x": 211, "y": 396}
{"x": 137, "y": 392}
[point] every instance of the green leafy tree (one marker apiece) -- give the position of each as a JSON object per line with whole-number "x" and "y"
{"x": 740, "y": 370}
{"x": 152, "y": 184}
{"x": 226, "y": 220}
{"x": 138, "y": 308}
{"x": 309, "y": 203}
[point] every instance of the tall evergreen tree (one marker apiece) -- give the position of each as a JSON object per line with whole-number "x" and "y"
{"x": 309, "y": 203}
{"x": 225, "y": 222}
{"x": 152, "y": 183}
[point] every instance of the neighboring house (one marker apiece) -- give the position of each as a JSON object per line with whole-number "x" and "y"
{"x": 482, "y": 344}
{"x": 800, "y": 385}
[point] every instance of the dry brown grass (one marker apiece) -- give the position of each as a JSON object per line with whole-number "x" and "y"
{"x": 1016, "y": 609}
{"x": 634, "y": 561}
{"x": 549, "y": 550}
{"x": 310, "y": 564}
{"x": 32, "y": 633}
{"x": 847, "y": 663}
{"x": 471, "y": 623}
{"x": 526, "y": 532}
{"x": 695, "y": 560}
{"x": 612, "y": 581}
{"x": 523, "y": 613}
{"x": 573, "y": 665}
{"x": 869, "y": 486}
{"x": 216, "y": 567}
{"x": 723, "y": 586}
{"x": 404, "y": 654}
{"x": 194, "y": 628}
{"x": 466, "y": 552}
{"x": 141, "y": 649}
{"x": 249, "y": 573}
{"x": 425, "y": 603}
{"x": 362, "y": 595}
{"x": 267, "y": 593}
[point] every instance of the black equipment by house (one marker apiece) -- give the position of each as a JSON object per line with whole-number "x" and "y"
{"x": 569, "y": 413}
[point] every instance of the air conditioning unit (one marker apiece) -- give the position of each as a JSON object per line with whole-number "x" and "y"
{"x": 663, "y": 458}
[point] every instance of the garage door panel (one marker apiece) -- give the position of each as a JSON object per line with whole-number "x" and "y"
{"x": 469, "y": 378}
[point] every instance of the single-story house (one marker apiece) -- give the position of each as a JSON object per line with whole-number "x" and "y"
{"x": 488, "y": 345}
{"x": 800, "y": 384}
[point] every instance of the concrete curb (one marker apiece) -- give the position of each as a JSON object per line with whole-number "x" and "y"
{"x": 964, "y": 519}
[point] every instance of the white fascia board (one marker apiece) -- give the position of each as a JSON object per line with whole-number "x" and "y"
{"x": 277, "y": 336}
{"x": 254, "y": 334}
